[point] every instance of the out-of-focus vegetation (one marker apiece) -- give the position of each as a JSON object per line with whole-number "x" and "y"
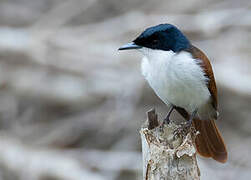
{"x": 71, "y": 105}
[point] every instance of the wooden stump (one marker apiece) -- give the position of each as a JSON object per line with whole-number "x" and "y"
{"x": 166, "y": 157}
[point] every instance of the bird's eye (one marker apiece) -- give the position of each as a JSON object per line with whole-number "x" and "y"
{"x": 155, "y": 41}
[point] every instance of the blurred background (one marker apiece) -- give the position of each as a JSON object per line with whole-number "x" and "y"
{"x": 71, "y": 105}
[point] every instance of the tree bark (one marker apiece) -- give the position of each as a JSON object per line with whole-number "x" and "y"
{"x": 166, "y": 157}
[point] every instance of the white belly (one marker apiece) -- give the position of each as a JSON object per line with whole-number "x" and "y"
{"x": 176, "y": 78}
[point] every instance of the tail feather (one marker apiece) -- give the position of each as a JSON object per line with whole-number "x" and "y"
{"x": 209, "y": 142}
{"x": 201, "y": 144}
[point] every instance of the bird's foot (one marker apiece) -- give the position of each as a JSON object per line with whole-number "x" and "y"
{"x": 186, "y": 127}
{"x": 165, "y": 121}
{"x": 183, "y": 130}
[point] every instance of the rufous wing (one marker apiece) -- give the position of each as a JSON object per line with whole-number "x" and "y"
{"x": 209, "y": 142}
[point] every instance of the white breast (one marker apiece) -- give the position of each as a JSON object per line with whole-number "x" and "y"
{"x": 176, "y": 78}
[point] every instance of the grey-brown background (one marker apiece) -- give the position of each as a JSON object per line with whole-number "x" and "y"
{"x": 71, "y": 105}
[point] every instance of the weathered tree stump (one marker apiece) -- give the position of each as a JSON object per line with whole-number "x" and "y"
{"x": 166, "y": 157}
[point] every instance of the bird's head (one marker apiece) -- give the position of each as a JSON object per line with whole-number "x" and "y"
{"x": 164, "y": 37}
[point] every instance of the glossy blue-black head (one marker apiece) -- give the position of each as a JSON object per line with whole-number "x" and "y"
{"x": 162, "y": 37}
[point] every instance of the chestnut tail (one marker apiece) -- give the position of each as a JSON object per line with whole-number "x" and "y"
{"x": 209, "y": 142}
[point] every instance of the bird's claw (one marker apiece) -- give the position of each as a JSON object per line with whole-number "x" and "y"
{"x": 183, "y": 130}
{"x": 165, "y": 121}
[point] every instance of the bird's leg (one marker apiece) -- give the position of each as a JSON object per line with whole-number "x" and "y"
{"x": 167, "y": 119}
{"x": 189, "y": 122}
{"x": 186, "y": 127}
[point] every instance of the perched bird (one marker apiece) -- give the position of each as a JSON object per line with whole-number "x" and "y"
{"x": 182, "y": 77}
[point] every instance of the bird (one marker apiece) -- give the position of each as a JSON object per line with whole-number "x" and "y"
{"x": 181, "y": 75}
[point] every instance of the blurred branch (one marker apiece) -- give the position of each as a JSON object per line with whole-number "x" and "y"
{"x": 57, "y": 16}
{"x": 117, "y": 160}
{"x": 39, "y": 164}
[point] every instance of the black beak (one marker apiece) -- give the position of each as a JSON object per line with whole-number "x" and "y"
{"x": 131, "y": 45}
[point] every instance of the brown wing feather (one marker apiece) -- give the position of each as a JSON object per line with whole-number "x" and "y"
{"x": 209, "y": 142}
{"x": 206, "y": 65}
